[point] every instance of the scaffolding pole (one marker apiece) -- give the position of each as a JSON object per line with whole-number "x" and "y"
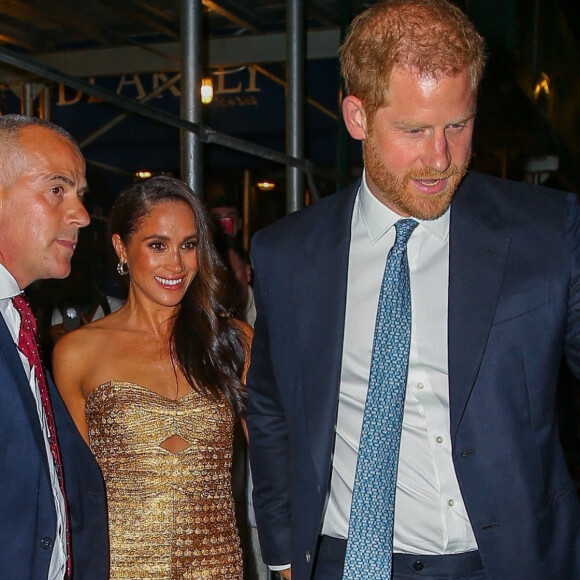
{"x": 296, "y": 50}
{"x": 191, "y": 73}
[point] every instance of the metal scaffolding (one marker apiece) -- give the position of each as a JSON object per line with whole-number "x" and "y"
{"x": 193, "y": 132}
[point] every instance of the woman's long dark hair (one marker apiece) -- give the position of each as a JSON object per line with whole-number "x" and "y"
{"x": 208, "y": 344}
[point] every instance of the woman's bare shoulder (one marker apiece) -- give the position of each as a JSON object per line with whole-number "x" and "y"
{"x": 88, "y": 353}
{"x": 87, "y": 340}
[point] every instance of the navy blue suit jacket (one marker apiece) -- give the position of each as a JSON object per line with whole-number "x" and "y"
{"x": 27, "y": 513}
{"x": 514, "y": 309}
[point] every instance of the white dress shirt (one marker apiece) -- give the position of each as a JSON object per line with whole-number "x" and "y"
{"x": 8, "y": 289}
{"x": 114, "y": 305}
{"x": 430, "y": 516}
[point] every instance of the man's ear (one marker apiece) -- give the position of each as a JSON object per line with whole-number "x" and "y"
{"x": 354, "y": 116}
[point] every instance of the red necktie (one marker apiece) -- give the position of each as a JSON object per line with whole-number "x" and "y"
{"x": 28, "y": 344}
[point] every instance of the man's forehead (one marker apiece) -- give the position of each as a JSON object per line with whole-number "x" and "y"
{"x": 224, "y": 209}
{"x": 53, "y": 157}
{"x": 38, "y": 138}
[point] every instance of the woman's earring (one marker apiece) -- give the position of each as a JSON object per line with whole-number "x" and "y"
{"x": 122, "y": 268}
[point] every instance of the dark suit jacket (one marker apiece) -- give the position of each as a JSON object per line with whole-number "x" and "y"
{"x": 514, "y": 309}
{"x": 27, "y": 514}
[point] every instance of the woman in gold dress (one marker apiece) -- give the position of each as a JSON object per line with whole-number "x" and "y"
{"x": 156, "y": 388}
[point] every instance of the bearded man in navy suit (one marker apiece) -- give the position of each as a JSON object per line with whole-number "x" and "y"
{"x": 45, "y": 530}
{"x": 482, "y": 487}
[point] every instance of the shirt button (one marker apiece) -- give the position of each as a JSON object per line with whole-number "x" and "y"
{"x": 420, "y": 385}
{"x": 46, "y": 543}
{"x": 439, "y": 439}
{"x": 450, "y": 503}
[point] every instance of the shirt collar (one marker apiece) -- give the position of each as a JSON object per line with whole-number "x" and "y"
{"x": 378, "y": 219}
{"x": 8, "y": 285}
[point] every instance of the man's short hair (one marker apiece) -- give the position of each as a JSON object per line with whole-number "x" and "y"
{"x": 11, "y": 160}
{"x": 431, "y": 37}
{"x": 224, "y": 200}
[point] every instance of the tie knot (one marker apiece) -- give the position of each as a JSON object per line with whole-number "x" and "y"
{"x": 404, "y": 229}
{"x": 22, "y": 305}
{"x": 28, "y": 327}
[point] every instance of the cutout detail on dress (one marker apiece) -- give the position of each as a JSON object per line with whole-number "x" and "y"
{"x": 175, "y": 444}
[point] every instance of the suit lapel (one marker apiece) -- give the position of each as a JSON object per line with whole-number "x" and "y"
{"x": 477, "y": 260}
{"x": 19, "y": 386}
{"x": 321, "y": 287}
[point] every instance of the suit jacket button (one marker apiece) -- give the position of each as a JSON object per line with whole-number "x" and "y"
{"x": 46, "y": 543}
{"x": 307, "y": 556}
{"x": 418, "y": 565}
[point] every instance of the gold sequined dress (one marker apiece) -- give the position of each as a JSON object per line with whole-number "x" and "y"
{"x": 171, "y": 515}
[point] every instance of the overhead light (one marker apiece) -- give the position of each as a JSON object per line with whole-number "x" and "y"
{"x": 542, "y": 86}
{"x": 266, "y": 185}
{"x": 206, "y": 90}
{"x": 143, "y": 174}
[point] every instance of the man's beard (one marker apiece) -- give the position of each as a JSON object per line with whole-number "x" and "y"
{"x": 401, "y": 195}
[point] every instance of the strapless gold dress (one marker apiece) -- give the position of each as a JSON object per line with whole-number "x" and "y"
{"x": 171, "y": 515}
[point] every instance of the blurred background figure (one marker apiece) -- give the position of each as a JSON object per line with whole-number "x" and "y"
{"x": 76, "y": 300}
{"x": 226, "y": 215}
{"x": 238, "y": 262}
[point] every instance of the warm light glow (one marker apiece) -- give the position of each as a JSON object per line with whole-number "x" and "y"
{"x": 266, "y": 185}
{"x": 206, "y": 90}
{"x": 143, "y": 174}
{"x": 542, "y": 86}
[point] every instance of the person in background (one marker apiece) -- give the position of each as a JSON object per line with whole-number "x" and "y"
{"x": 156, "y": 387}
{"x": 75, "y": 310}
{"x": 52, "y": 505}
{"x": 226, "y": 215}
{"x": 64, "y": 305}
{"x": 237, "y": 260}
{"x": 409, "y": 336}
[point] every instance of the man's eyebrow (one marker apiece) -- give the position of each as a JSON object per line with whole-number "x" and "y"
{"x": 70, "y": 182}
{"x": 64, "y": 178}
{"x": 465, "y": 118}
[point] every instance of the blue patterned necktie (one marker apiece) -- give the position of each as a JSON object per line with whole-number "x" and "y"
{"x": 370, "y": 535}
